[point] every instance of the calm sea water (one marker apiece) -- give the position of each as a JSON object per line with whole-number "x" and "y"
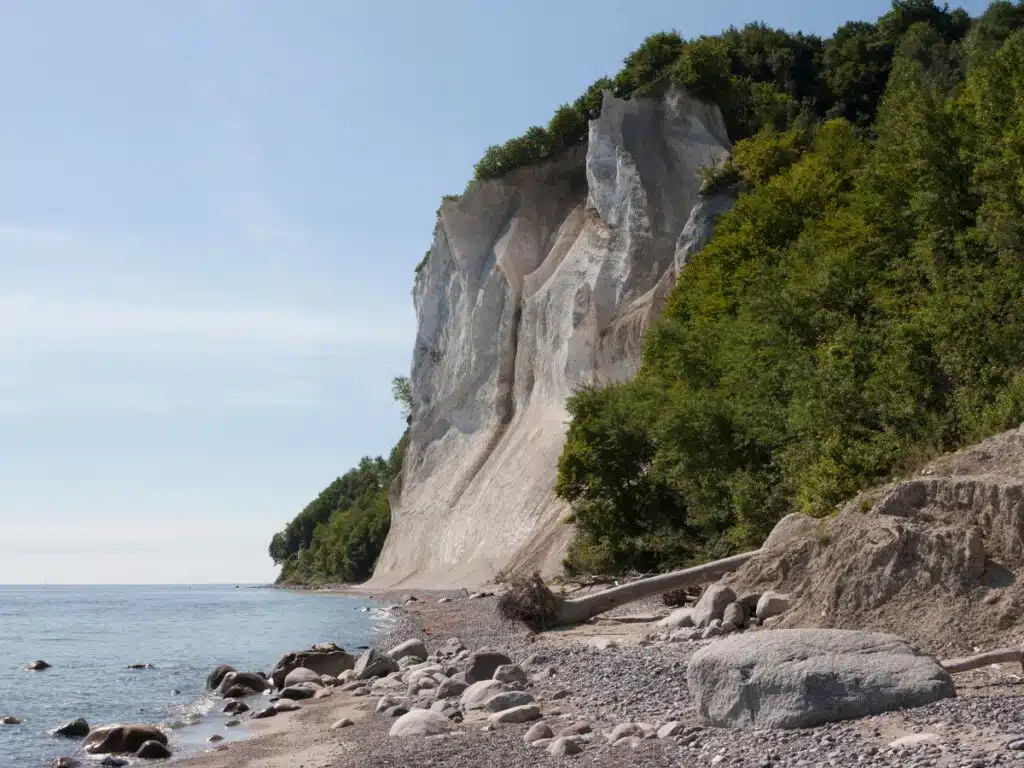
{"x": 92, "y": 634}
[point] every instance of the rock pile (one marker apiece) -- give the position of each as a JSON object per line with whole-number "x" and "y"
{"x": 719, "y": 611}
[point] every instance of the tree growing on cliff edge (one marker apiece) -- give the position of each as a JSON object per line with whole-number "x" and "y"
{"x": 858, "y": 309}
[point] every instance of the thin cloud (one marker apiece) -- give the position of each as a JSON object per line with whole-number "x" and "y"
{"x": 40, "y": 322}
{"x": 20, "y": 236}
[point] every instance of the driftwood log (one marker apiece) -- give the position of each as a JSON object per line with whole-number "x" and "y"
{"x": 531, "y": 602}
{"x": 977, "y": 661}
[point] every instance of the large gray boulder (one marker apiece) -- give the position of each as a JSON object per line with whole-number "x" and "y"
{"x": 301, "y": 675}
{"x": 252, "y": 680}
{"x": 121, "y": 739}
{"x": 412, "y": 647}
{"x": 478, "y": 693}
{"x": 324, "y": 659}
{"x": 798, "y": 678}
{"x": 712, "y": 604}
{"x": 482, "y": 665}
{"x": 373, "y": 663}
{"x": 421, "y": 722}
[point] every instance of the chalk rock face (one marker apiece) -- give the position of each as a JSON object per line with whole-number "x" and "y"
{"x": 798, "y": 678}
{"x": 536, "y": 284}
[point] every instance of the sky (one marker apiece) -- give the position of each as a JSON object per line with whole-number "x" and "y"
{"x": 210, "y": 211}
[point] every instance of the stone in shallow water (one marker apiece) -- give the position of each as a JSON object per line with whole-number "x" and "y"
{"x": 75, "y": 729}
{"x": 153, "y": 750}
{"x": 799, "y": 678}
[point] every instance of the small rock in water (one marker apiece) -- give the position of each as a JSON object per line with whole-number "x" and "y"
{"x": 215, "y": 738}
{"x": 66, "y": 762}
{"x": 146, "y": 665}
{"x": 232, "y": 723}
{"x": 153, "y": 750}
{"x": 175, "y": 692}
{"x": 236, "y": 707}
{"x": 11, "y": 720}
{"x": 345, "y": 722}
{"x": 76, "y": 729}
{"x": 37, "y": 665}
{"x": 110, "y": 761}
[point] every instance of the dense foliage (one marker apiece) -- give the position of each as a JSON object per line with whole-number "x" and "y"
{"x": 759, "y": 76}
{"x": 339, "y": 534}
{"x": 860, "y": 309}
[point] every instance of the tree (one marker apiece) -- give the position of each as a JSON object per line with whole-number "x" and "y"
{"x": 401, "y": 390}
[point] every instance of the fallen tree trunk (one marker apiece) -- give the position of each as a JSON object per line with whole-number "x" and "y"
{"x": 530, "y": 601}
{"x": 977, "y": 661}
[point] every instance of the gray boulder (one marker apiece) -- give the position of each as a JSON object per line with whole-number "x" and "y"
{"x": 285, "y": 705}
{"x": 799, "y": 678}
{"x": 735, "y": 614}
{"x": 302, "y": 675}
{"x": 563, "y": 747}
{"x": 679, "y": 618}
{"x": 511, "y": 673}
{"x": 450, "y": 688}
{"x": 153, "y": 750}
{"x": 373, "y": 663}
{"x": 76, "y": 729}
{"x": 412, "y": 647}
{"x": 712, "y": 604}
{"x": 772, "y": 604}
{"x": 538, "y": 732}
{"x": 252, "y": 680}
{"x": 239, "y": 692}
{"x": 483, "y": 664}
{"x": 521, "y": 714}
{"x": 507, "y": 700}
{"x": 121, "y": 738}
{"x": 475, "y": 696}
{"x": 213, "y": 679}
{"x": 421, "y": 722}
{"x": 324, "y": 659}
{"x": 299, "y": 692}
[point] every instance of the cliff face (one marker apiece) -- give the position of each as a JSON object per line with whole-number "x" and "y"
{"x": 536, "y": 284}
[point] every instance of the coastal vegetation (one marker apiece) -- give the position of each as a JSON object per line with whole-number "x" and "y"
{"x": 857, "y": 312}
{"x": 338, "y": 536}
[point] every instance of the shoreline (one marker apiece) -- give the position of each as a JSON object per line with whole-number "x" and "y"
{"x": 607, "y": 673}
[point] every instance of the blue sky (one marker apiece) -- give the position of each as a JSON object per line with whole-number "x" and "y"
{"x": 209, "y": 217}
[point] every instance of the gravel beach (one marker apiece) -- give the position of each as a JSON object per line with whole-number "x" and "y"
{"x": 613, "y": 672}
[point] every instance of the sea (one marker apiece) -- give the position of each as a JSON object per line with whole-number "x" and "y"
{"x": 93, "y": 634}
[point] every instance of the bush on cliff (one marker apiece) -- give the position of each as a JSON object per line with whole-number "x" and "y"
{"x": 857, "y": 311}
{"x": 759, "y": 76}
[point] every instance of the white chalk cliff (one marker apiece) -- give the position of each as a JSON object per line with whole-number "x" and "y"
{"x": 536, "y": 284}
